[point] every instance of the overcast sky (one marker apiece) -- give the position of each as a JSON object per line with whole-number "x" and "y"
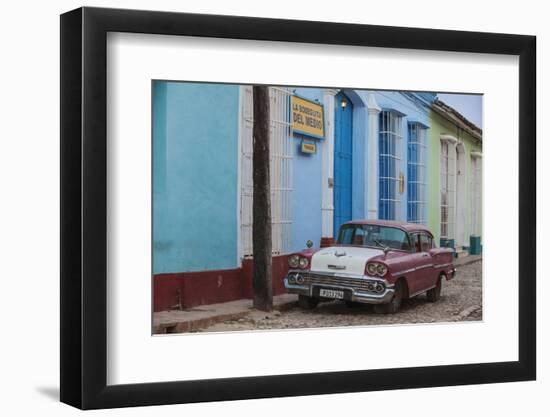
{"x": 469, "y": 105}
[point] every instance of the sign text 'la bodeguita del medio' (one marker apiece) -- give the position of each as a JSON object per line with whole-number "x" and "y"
{"x": 308, "y": 117}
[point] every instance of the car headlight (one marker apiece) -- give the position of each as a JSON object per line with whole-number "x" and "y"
{"x": 303, "y": 262}
{"x": 371, "y": 269}
{"x": 376, "y": 269}
{"x": 381, "y": 269}
{"x": 292, "y": 279}
{"x": 294, "y": 261}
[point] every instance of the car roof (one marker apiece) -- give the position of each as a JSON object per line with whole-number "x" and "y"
{"x": 408, "y": 227}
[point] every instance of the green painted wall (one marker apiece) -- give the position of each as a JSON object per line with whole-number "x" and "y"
{"x": 440, "y": 126}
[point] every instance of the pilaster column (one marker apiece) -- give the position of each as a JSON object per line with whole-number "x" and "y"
{"x": 327, "y": 208}
{"x": 476, "y": 192}
{"x": 371, "y": 159}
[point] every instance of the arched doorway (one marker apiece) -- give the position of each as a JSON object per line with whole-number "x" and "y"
{"x": 343, "y": 157}
{"x": 460, "y": 221}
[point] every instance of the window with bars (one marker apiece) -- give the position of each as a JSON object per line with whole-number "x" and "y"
{"x": 416, "y": 173}
{"x": 448, "y": 183}
{"x": 389, "y": 147}
{"x": 280, "y": 141}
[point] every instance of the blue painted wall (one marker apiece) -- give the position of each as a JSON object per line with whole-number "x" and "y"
{"x": 307, "y": 196}
{"x": 195, "y": 180}
{"x": 413, "y": 111}
{"x": 307, "y": 183}
{"x": 195, "y": 176}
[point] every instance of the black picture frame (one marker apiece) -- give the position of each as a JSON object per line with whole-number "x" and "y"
{"x": 84, "y": 207}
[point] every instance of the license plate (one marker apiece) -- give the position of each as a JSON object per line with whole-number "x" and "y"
{"x": 331, "y": 294}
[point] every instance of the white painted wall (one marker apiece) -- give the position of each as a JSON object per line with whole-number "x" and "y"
{"x": 372, "y": 149}
{"x": 328, "y": 165}
{"x": 461, "y": 228}
{"x": 29, "y": 210}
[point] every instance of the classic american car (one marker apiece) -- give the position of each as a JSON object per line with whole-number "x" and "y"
{"x": 373, "y": 261}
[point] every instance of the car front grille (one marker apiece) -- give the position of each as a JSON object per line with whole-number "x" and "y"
{"x": 356, "y": 283}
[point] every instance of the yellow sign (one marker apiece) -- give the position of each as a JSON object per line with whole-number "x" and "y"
{"x": 308, "y": 117}
{"x": 308, "y": 147}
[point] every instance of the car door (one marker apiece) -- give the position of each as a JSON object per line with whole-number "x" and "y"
{"x": 428, "y": 275}
{"x": 422, "y": 276}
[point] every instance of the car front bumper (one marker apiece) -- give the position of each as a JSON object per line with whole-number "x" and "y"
{"x": 356, "y": 293}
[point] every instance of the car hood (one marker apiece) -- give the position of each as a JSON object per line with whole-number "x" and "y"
{"x": 344, "y": 259}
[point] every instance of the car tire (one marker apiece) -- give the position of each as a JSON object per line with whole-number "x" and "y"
{"x": 393, "y": 306}
{"x": 307, "y": 303}
{"x": 434, "y": 294}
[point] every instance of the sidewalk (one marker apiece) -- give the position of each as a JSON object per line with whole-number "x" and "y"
{"x": 467, "y": 260}
{"x": 200, "y": 317}
{"x": 190, "y": 320}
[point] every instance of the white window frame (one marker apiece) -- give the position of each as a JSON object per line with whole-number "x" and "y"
{"x": 419, "y": 166}
{"x": 281, "y": 161}
{"x": 391, "y": 123}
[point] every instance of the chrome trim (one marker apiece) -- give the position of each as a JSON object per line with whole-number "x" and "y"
{"x": 443, "y": 265}
{"x": 329, "y": 273}
{"x": 297, "y": 289}
{"x": 405, "y": 271}
{"x": 423, "y": 267}
{"x": 336, "y": 266}
{"x": 366, "y": 285}
{"x": 341, "y": 275}
{"x": 357, "y": 294}
{"x": 421, "y": 291}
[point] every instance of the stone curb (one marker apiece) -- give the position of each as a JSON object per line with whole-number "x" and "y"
{"x": 467, "y": 261}
{"x": 189, "y": 326}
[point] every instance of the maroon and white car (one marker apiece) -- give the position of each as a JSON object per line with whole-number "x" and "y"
{"x": 373, "y": 261}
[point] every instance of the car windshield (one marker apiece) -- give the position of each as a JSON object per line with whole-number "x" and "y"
{"x": 373, "y": 235}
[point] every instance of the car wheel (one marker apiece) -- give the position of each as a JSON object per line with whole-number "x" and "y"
{"x": 307, "y": 302}
{"x": 435, "y": 293}
{"x": 394, "y": 305}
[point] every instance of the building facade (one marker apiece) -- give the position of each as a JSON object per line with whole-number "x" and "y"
{"x": 336, "y": 155}
{"x": 455, "y": 171}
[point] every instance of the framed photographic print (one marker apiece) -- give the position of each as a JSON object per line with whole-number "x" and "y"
{"x": 256, "y": 208}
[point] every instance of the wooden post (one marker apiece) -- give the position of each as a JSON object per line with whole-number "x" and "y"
{"x": 261, "y": 202}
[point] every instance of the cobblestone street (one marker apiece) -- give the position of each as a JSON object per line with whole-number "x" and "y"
{"x": 461, "y": 300}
